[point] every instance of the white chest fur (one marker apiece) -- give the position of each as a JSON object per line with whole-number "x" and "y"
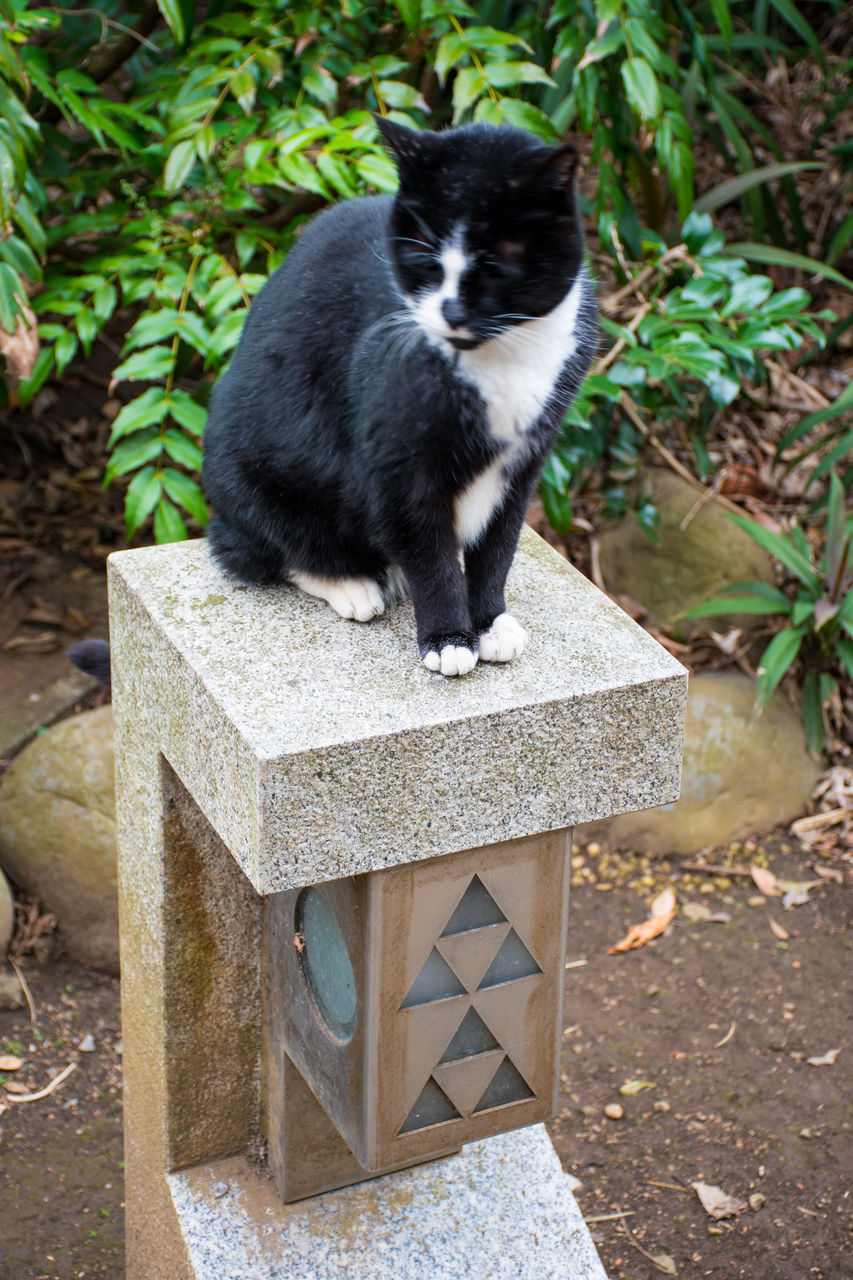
{"x": 516, "y": 371}
{"x": 514, "y": 374}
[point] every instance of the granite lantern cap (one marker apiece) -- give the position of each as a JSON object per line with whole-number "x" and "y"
{"x": 305, "y": 787}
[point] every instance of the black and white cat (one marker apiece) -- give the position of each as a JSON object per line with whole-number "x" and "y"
{"x": 398, "y": 385}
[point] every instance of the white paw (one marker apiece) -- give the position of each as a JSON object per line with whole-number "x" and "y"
{"x": 454, "y": 660}
{"x": 357, "y": 598}
{"x": 504, "y": 639}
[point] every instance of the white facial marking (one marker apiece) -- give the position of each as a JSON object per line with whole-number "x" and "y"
{"x": 474, "y": 506}
{"x": 357, "y": 598}
{"x": 504, "y": 639}
{"x": 515, "y": 372}
{"x": 454, "y": 660}
{"x": 426, "y": 306}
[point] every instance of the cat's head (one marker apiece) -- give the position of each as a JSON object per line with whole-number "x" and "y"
{"x": 484, "y": 230}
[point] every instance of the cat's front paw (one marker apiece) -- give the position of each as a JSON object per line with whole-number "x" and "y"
{"x": 451, "y": 655}
{"x": 504, "y": 639}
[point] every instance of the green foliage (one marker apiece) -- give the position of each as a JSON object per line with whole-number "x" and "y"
{"x": 702, "y": 325}
{"x": 818, "y": 612}
{"x": 155, "y": 169}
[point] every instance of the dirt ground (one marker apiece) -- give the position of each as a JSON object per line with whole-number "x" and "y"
{"x": 714, "y": 1024}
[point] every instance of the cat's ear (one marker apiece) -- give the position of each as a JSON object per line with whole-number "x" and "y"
{"x": 407, "y": 145}
{"x": 557, "y": 170}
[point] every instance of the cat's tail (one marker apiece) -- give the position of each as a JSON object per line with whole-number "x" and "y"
{"x": 93, "y": 657}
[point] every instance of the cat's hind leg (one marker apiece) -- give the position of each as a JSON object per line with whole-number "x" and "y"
{"x": 358, "y": 598}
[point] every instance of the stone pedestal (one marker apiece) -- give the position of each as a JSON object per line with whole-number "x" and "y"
{"x": 263, "y": 745}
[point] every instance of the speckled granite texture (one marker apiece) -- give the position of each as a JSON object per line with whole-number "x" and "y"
{"x": 319, "y": 748}
{"x": 500, "y": 1210}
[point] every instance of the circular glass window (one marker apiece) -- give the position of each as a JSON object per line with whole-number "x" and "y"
{"x": 326, "y": 964}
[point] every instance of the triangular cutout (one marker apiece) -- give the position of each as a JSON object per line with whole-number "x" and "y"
{"x": 476, "y": 908}
{"x": 507, "y": 1085}
{"x": 513, "y": 961}
{"x": 470, "y": 954}
{"x": 432, "y": 1107}
{"x": 464, "y": 1081}
{"x": 472, "y": 1037}
{"x": 436, "y": 981}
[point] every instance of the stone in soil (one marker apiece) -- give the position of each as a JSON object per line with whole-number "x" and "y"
{"x": 741, "y": 773}
{"x": 57, "y": 832}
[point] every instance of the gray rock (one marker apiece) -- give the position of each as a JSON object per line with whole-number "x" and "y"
{"x": 742, "y": 773}
{"x": 11, "y": 991}
{"x": 7, "y": 914}
{"x": 690, "y": 565}
{"x": 57, "y": 832}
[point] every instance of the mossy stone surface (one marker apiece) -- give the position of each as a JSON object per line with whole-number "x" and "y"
{"x": 57, "y": 832}
{"x": 701, "y": 552}
{"x": 743, "y": 772}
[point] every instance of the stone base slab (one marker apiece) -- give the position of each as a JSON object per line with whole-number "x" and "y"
{"x": 499, "y": 1210}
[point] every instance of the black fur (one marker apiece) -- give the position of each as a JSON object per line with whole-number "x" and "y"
{"x": 340, "y": 435}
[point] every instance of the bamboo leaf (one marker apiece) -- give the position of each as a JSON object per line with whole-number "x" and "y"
{"x": 780, "y": 548}
{"x": 785, "y": 258}
{"x": 776, "y": 660}
{"x": 733, "y": 188}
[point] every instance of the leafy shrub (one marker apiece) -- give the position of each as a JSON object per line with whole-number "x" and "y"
{"x": 818, "y": 608}
{"x": 156, "y": 166}
{"x": 702, "y": 326}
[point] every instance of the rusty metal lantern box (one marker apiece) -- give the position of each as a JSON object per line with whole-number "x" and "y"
{"x": 421, "y": 1005}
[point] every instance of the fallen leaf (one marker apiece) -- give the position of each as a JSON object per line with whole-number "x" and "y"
{"x": 826, "y": 1061}
{"x": 716, "y": 1203}
{"x": 21, "y": 348}
{"x": 831, "y": 873}
{"x": 664, "y": 1263}
{"x": 778, "y": 930}
{"x": 765, "y": 881}
{"x": 662, "y": 914}
{"x": 15, "y": 1086}
{"x": 727, "y": 1037}
{"x": 696, "y": 911}
{"x": 630, "y": 1087}
{"x": 8, "y": 1062}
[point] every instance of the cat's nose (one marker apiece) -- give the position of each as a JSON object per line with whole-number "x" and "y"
{"x": 454, "y": 312}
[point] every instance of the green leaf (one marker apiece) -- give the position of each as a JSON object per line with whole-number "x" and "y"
{"x": 104, "y": 302}
{"x": 174, "y": 15}
{"x": 12, "y": 296}
{"x": 184, "y": 490}
{"x": 733, "y": 188}
{"x": 187, "y": 412}
{"x": 813, "y": 713}
{"x": 87, "y": 328}
{"x": 183, "y": 450}
{"x": 785, "y": 258}
{"x": 779, "y": 547}
{"x": 143, "y": 494}
{"x": 642, "y": 88}
{"x": 19, "y": 255}
{"x": 838, "y": 544}
{"x": 843, "y": 404}
{"x": 524, "y": 115}
{"x": 147, "y": 409}
{"x": 557, "y": 505}
{"x": 844, "y": 649}
{"x": 504, "y": 75}
{"x": 179, "y": 164}
{"x": 168, "y": 525}
{"x": 468, "y": 85}
{"x": 736, "y": 604}
{"x": 776, "y": 660}
{"x": 64, "y": 350}
{"x": 147, "y": 365}
{"x": 379, "y": 172}
{"x": 723, "y": 19}
{"x": 132, "y": 454}
{"x": 791, "y": 13}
